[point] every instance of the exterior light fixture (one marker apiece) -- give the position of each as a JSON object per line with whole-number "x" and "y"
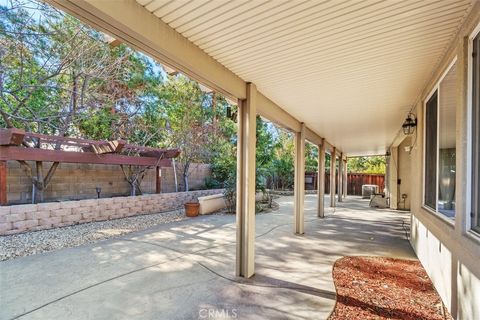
{"x": 409, "y": 124}
{"x": 229, "y": 112}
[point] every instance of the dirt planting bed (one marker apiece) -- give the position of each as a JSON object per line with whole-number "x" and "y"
{"x": 384, "y": 288}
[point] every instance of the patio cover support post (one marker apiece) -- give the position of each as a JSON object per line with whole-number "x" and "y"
{"x": 299, "y": 185}
{"x": 246, "y": 146}
{"x": 321, "y": 180}
{"x": 340, "y": 178}
{"x": 345, "y": 178}
{"x": 392, "y": 179}
{"x": 3, "y": 183}
{"x": 158, "y": 179}
{"x": 333, "y": 159}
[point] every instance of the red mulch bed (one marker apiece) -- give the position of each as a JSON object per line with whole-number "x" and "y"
{"x": 384, "y": 288}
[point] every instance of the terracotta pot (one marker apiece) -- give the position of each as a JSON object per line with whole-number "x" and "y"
{"x": 192, "y": 208}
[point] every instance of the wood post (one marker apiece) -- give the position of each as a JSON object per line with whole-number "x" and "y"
{"x": 158, "y": 180}
{"x": 11, "y": 137}
{"x": 321, "y": 180}
{"x": 299, "y": 185}
{"x": 39, "y": 186}
{"x": 35, "y": 154}
{"x": 345, "y": 178}
{"x": 3, "y": 183}
{"x": 333, "y": 159}
{"x": 245, "y": 215}
{"x": 340, "y": 178}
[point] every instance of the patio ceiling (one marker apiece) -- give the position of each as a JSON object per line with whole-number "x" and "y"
{"x": 350, "y": 70}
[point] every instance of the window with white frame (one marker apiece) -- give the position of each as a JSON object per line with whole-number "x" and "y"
{"x": 431, "y": 117}
{"x": 475, "y": 138}
{"x": 440, "y": 146}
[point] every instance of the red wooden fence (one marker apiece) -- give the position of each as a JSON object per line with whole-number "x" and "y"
{"x": 354, "y": 182}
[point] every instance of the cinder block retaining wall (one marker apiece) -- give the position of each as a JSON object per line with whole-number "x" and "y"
{"x": 78, "y": 181}
{"x": 31, "y": 217}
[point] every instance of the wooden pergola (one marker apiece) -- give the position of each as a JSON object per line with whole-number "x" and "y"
{"x": 18, "y": 145}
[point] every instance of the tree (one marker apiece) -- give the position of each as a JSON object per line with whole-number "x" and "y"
{"x": 374, "y": 165}
{"x": 55, "y": 71}
{"x": 264, "y": 156}
{"x": 311, "y": 158}
{"x": 58, "y": 76}
{"x": 283, "y": 164}
{"x": 189, "y": 123}
{"x": 223, "y": 151}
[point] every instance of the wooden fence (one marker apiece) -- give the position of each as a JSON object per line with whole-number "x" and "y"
{"x": 354, "y": 182}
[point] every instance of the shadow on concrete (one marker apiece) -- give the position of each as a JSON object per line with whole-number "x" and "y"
{"x": 176, "y": 270}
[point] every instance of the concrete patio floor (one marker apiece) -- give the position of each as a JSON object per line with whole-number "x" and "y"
{"x": 185, "y": 270}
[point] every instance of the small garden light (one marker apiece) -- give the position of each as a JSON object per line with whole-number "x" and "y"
{"x": 98, "y": 190}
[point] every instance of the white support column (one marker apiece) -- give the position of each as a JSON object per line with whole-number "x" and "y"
{"x": 245, "y": 266}
{"x": 393, "y": 178}
{"x": 340, "y": 178}
{"x": 321, "y": 180}
{"x": 299, "y": 186}
{"x": 345, "y": 178}
{"x": 333, "y": 159}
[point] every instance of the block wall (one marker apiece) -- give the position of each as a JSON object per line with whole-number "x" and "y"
{"x": 33, "y": 217}
{"x": 78, "y": 181}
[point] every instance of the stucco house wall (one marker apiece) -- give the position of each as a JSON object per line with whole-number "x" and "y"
{"x": 448, "y": 249}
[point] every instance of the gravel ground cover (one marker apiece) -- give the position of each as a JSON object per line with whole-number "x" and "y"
{"x": 25, "y": 244}
{"x": 29, "y": 243}
{"x": 385, "y": 288}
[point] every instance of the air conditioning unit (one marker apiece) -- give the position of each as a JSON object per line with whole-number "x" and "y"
{"x": 369, "y": 190}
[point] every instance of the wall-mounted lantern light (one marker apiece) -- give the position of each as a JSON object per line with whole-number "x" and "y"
{"x": 409, "y": 124}
{"x": 229, "y": 112}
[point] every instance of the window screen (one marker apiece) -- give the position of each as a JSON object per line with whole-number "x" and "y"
{"x": 447, "y": 143}
{"x": 431, "y": 117}
{"x": 476, "y": 135}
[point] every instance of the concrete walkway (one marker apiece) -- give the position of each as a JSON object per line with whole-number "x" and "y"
{"x": 185, "y": 270}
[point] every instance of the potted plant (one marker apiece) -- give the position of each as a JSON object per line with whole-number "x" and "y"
{"x": 192, "y": 209}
